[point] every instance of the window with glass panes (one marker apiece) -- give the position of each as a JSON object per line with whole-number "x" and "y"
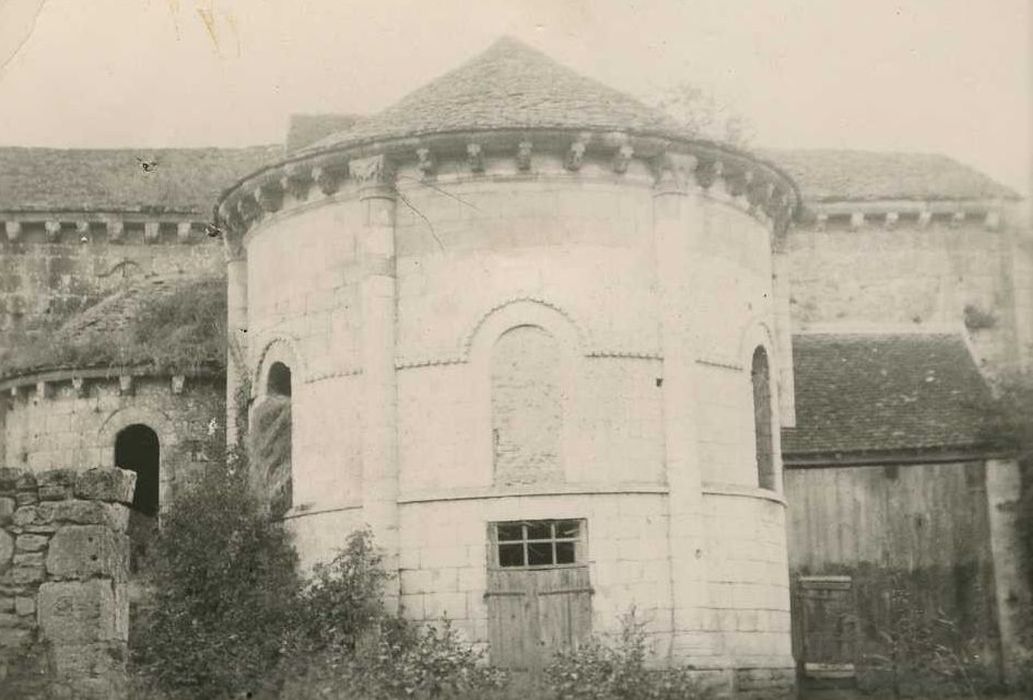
{"x": 534, "y": 543}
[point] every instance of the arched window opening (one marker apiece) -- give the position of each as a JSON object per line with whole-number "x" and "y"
{"x": 271, "y": 436}
{"x": 137, "y": 449}
{"x": 761, "y": 377}
{"x": 526, "y": 403}
{"x": 279, "y": 382}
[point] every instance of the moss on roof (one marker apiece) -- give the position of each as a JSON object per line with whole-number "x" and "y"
{"x": 165, "y": 325}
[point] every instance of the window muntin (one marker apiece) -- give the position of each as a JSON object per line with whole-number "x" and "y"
{"x": 528, "y": 544}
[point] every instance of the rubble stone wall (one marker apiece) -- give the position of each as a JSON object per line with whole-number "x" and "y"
{"x": 64, "y": 565}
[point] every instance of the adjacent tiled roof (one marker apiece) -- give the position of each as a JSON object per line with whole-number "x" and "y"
{"x": 885, "y": 392}
{"x": 508, "y": 86}
{"x": 181, "y": 180}
{"x": 169, "y": 324}
{"x": 825, "y": 175}
{"x": 305, "y": 129}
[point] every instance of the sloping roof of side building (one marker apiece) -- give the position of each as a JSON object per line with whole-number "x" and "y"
{"x": 859, "y": 395}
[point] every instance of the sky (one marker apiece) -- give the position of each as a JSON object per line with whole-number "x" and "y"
{"x": 946, "y": 76}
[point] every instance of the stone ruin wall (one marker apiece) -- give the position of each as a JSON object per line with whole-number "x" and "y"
{"x": 64, "y": 567}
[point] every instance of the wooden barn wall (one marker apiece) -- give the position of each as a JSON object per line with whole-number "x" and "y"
{"x": 921, "y": 530}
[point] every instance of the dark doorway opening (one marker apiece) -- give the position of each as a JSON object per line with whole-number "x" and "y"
{"x": 137, "y": 449}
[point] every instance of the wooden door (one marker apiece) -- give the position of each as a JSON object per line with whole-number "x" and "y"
{"x": 535, "y": 610}
{"x": 827, "y": 627}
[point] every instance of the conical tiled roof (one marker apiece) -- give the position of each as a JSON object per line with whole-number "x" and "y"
{"x": 508, "y": 86}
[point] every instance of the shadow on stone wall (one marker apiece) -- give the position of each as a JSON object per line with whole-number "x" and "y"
{"x": 64, "y": 565}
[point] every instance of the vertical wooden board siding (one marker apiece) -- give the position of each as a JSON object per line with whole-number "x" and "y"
{"x": 929, "y": 515}
{"x": 923, "y": 529}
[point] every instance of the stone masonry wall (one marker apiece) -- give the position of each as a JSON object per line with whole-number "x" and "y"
{"x": 60, "y": 424}
{"x": 909, "y": 275}
{"x": 64, "y": 608}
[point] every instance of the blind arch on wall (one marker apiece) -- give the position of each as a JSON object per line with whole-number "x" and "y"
{"x": 760, "y": 376}
{"x": 526, "y": 407}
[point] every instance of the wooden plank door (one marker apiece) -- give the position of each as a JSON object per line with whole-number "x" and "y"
{"x": 564, "y": 609}
{"x": 827, "y": 626}
{"x": 534, "y": 613}
{"x": 511, "y": 619}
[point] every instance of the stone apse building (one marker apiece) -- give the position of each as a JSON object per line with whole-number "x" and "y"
{"x": 555, "y": 353}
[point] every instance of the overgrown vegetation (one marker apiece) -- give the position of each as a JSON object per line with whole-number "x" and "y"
{"x": 926, "y": 652}
{"x": 224, "y": 585}
{"x": 599, "y": 671}
{"x": 977, "y": 319}
{"x": 230, "y": 616}
{"x": 166, "y": 325}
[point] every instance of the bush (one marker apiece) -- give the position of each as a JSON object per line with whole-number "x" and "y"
{"x": 926, "y": 652}
{"x": 399, "y": 659}
{"x": 224, "y": 589}
{"x": 598, "y": 671}
{"x": 346, "y": 645}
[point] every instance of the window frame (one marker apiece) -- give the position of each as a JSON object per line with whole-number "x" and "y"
{"x": 579, "y": 541}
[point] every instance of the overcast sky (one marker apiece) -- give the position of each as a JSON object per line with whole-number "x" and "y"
{"x": 950, "y": 76}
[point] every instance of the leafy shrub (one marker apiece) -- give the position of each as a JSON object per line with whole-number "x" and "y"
{"x": 345, "y": 644}
{"x": 598, "y": 671}
{"x": 399, "y": 660}
{"x": 224, "y": 590}
{"x": 925, "y": 651}
{"x": 343, "y": 598}
{"x": 977, "y": 319}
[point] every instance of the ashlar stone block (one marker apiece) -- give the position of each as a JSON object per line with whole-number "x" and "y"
{"x": 7, "y": 506}
{"x": 114, "y": 515}
{"x": 80, "y": 612}
{"x": 6, "y": 549}
{"x": 114, "y": 485}
{"x": 81, "y": 551}
{"x": 56, "y": 484}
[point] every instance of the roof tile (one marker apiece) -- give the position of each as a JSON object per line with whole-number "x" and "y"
{"x": 884, "y": 392}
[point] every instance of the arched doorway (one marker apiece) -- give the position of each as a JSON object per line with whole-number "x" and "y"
{"x": 137, "y": 449}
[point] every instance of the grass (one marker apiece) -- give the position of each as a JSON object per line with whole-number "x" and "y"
{"x": 169, "y": 326}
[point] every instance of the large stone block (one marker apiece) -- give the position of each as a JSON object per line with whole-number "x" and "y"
{"x": 56, "y": 484}
{"x": 6, "y": 549}
{"x": 81, "y": 551}
{"x": 114, "y": 515}
{"x": 21, "y": 575}
{"x": 7, "y": 506}
{"x": 9, "y": 480}
{"x": 115, "y": 485}
{"x": 31, "y": 543}
{"x": 81, "y": 612}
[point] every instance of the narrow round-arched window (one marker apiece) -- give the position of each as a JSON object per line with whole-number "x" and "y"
{"x": 137, "y": 449}
{"x": 279, "y": 382}
{"x": 527, "y": 412}
{"x": 761, "y": 378}
{"x": 271, "y": 435}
